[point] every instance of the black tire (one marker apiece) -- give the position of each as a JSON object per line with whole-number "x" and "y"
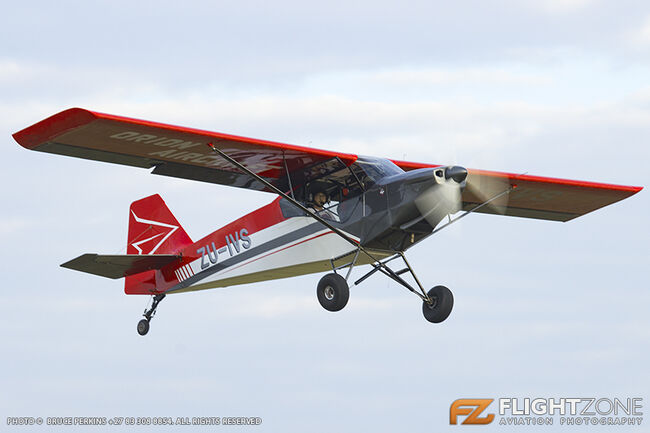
{"x": 333, "y": 292}
{"x": 443, "y": 302}
{"x": 143, "y": 327}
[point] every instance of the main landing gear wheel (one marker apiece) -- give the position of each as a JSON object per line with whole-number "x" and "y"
{"x": 143, "y": 327}
{"x": 442, "y": 301}
{"x": 333, "y": 292}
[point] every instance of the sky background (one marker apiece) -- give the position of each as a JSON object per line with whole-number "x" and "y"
{"x": 542, "y": 309}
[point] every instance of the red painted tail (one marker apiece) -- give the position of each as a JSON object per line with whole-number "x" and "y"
{"x": 153, "y": 229}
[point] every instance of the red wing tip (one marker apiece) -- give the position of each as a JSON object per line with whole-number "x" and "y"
{"x": 41, "y": 132}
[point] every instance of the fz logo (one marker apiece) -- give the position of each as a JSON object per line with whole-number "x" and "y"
{"x": 234, "y": 244}
{"x": 471, "y": 408}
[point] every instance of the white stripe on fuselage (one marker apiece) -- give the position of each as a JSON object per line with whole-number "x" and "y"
{"x": 314, "y": 247}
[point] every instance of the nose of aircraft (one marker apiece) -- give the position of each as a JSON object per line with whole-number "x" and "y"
{"x": 442, "y": 197}
{"x": 456, "y": 173}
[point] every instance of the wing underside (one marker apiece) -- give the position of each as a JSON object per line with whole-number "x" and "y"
{"x": 535, "y": 197}
{"x": 176, "y": 151}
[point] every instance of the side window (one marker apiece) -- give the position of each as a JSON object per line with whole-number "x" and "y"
{"x": 342, "y": 211}
{"x": 346, "y": 208}
{"x": 288, "y": 209}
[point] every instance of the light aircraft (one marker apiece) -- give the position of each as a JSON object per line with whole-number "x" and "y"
{"x": 333, "y": 210}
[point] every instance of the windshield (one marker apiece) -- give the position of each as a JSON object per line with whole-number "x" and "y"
{"x": 373, "y": 169}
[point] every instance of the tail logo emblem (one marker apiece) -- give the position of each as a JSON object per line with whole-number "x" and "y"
{"x": 136, "y": 245}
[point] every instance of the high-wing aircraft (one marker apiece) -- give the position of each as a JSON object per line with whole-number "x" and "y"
{"x": 334, "y": 211}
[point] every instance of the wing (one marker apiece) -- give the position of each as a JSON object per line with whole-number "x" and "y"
{"x": 534, "y": 196}
{"x": 118, "y": 266}
{"x": 177, "y": 151}
{"x": 183, "y": 152}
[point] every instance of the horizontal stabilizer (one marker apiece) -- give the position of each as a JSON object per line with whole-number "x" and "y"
{"x": 118, "y": 266}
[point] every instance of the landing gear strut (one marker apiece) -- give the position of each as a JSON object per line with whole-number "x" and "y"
{"x": 437, "y": 303}
{"x": 143, "y": 325}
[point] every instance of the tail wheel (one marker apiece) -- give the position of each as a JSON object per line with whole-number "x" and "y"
{"x": 442, "y": 301}
{"x": 333, "y": 292}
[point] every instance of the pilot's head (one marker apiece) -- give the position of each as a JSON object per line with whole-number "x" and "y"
{"x": 319, "y": 196}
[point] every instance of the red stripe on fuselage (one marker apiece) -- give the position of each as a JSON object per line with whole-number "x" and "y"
{"x": 259, "y": 219}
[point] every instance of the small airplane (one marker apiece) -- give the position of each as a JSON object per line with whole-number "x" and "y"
{"x": 333, "y": 211}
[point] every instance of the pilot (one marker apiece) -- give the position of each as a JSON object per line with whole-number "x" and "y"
{"x": 319, "y": 198}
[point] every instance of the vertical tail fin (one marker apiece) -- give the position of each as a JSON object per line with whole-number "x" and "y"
{"x": 153, "y": 229}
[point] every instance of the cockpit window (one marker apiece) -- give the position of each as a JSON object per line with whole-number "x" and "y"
{"x": 372, "y": 169}
{"x": 343, "y": 186}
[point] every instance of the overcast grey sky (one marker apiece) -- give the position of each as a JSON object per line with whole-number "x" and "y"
{"x": 549, "y": 87}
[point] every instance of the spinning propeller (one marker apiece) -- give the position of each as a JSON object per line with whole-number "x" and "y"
{"x": 454, "y": 186}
